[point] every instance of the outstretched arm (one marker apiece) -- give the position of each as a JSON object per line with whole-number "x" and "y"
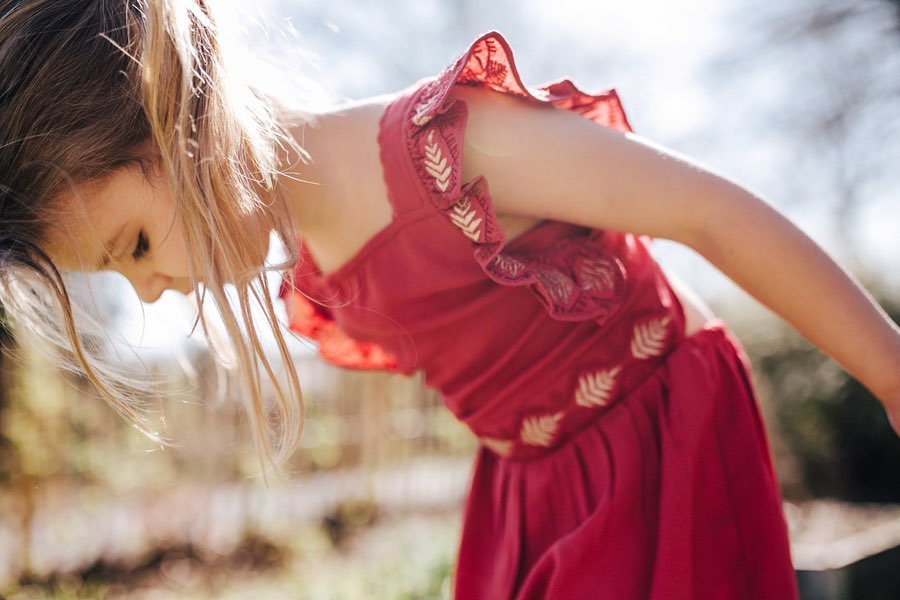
{"x": 552, "y": 164}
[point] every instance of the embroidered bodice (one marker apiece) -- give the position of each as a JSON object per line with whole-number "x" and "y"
{"x": 527, "y": 339}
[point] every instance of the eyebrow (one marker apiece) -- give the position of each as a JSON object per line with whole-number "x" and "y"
{"x": 108, "y": 249}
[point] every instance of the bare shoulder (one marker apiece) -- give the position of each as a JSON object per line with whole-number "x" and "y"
{"x": 343, "y": 135}
{"x": 339, "y": 198}
{"x": 349, "y": 154}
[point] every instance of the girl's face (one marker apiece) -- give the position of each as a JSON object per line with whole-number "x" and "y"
{"x": 124, "y": 223}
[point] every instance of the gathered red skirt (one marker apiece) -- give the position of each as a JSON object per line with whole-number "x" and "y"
{"x": 670, "y": 494}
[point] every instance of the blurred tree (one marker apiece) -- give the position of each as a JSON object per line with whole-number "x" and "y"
{"x": 840, "y": 441}
{"x": 818, "y": 77}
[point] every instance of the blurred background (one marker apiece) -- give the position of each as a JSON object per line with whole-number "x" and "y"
{"x": 798, "y": 101}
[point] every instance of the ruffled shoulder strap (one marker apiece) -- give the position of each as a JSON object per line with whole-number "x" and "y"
{"x": 584, "y": 274}
{"x": 436, "y": 126}
{"x": 489, "y": 62}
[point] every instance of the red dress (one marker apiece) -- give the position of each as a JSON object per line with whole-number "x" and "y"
{"x": 618, "y": 459}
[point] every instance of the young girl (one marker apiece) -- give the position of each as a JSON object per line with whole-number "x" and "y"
{"x": 493, "y": 235}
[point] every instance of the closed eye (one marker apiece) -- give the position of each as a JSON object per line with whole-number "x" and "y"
{"x": 141, "y": 247}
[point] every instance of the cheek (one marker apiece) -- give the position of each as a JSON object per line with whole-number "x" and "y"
{"x": 172, "y": 256}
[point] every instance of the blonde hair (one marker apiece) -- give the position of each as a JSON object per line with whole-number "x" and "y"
{"x": 138, "y": 74}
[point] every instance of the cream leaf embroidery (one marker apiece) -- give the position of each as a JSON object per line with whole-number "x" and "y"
{"x": 421, "y": 117}
{"x": 464, "y": 217}
{"x": 501, "y": 447}
{"x": 649, "y": 338}
{"x": 595, "y": 389}
{"x": 597, "y": 274}
{"x": 540, "y": 431}
{"x": 436, "y": 163}
{"x": 558, "y": 285}
{"x": 508, "y": 266}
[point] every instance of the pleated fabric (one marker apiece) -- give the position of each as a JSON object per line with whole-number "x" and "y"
{"x": 669, "y": 495}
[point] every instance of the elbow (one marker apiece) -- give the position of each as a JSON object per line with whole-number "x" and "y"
{"x": 725, "y": 215}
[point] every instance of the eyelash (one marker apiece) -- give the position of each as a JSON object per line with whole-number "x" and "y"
{"x": 142, "y": 246}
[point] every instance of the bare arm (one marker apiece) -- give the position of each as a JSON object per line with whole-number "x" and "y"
{"x": 547, "y": 163}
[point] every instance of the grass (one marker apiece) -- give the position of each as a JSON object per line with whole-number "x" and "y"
{"x": 407, "y": 557}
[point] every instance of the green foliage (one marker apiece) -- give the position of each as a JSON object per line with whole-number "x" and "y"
{"x": 69, "y": 458}
{"x": 406, "y": 559}
{"x": 837, "y": 433}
